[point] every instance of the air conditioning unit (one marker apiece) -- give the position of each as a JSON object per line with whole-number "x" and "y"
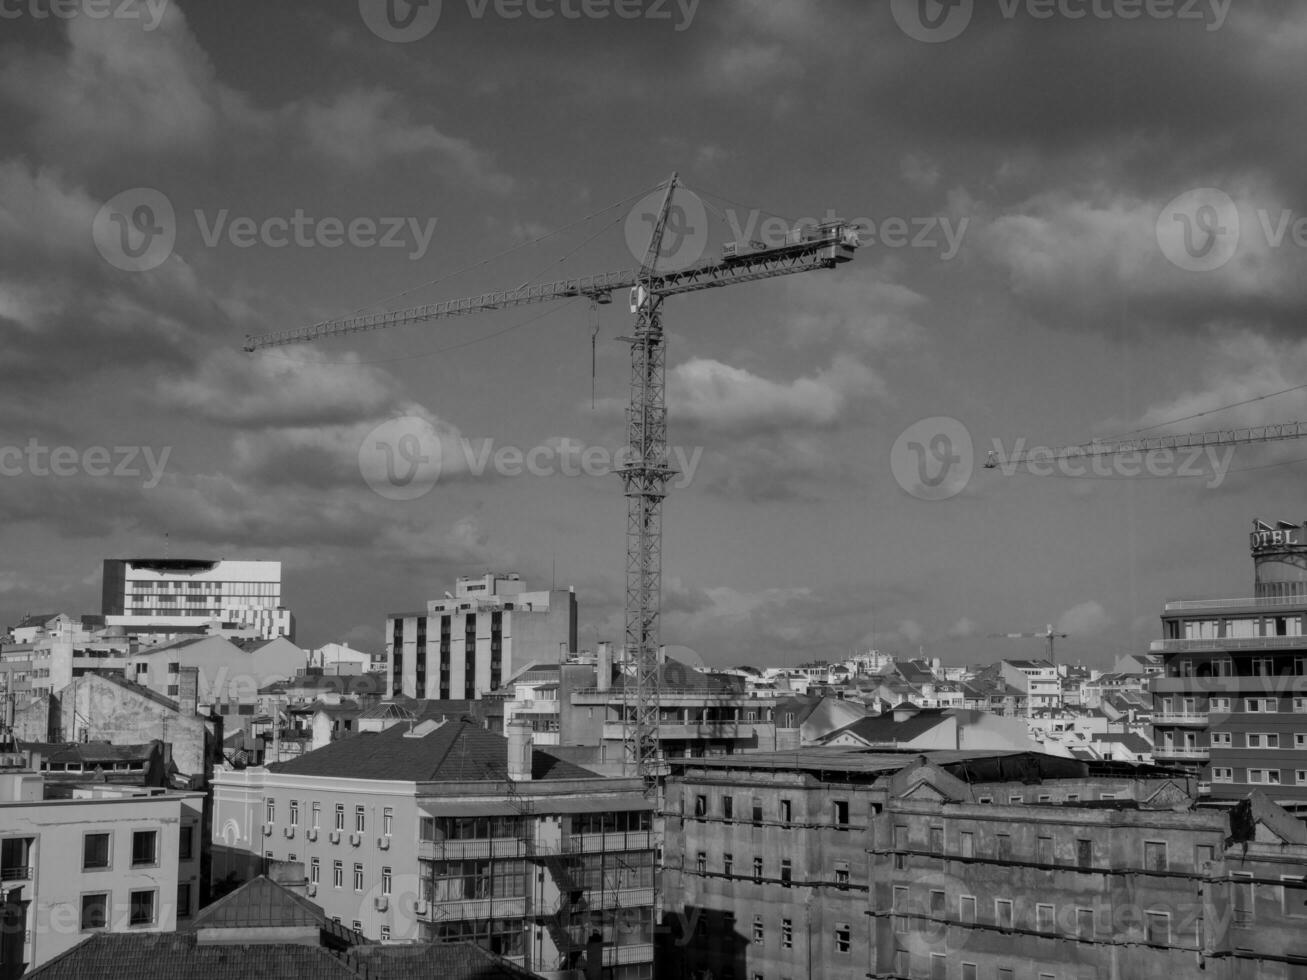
{"x": 383, "y": 843}
{"x": 335, "y": 836}
{"x": 382, "y": 903}
{"x": 311, "y": 834}
{"x": 267, "y": 830}
{"x": 420, "y": 907}
{"x": 356, "y": 839}
{"x": 290, "y": 832}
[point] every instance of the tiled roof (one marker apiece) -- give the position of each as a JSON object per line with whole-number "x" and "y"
{"x": 453, "y": 751}
{"x": 883, "y": 728}
{"x": 449, "y": 961}
{"x": 90, "y": 752}
{"x": 259, "y": 903}
{"x": 35, "y": 619}
{"x": 137, "y": 689}
{"x": 177, "y": 956}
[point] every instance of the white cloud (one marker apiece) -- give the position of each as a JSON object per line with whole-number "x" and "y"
{"x": 1084, "y": 619}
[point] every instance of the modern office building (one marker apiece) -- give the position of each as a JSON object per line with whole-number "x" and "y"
{"x": 443, "y": 831}
{"x": 970, "y": 866}
{"x": 1231, "y": 702}
{"x": 110, "y": 858}
{"x": 174, "y": 596}
{"x": 468, "y": 643}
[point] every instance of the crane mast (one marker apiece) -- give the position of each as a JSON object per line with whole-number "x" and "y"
{"x": 646, "y": 474}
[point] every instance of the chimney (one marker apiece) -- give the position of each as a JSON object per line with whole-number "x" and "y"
{"x": 188, "y": 690}
{"x": 604, "y": 666}
{"x": 519, "y": 750}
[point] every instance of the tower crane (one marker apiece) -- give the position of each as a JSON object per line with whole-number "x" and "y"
{"x": 646, "y": 474}
{"x": 1048, "y": 635}
{"x": 1275, "y": 432}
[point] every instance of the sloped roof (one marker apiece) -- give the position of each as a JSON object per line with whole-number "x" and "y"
{"x": 259, "y": 903}
{"x": 880, "y": 729}
{"x": 137, "y": 689}
{"x": 1133, "y": 742}
{"x": 454, "y": 751}
{"x": 449, "y": 961}
{"x": 387, "y": 710}
{"x": 35, "y": 620}
{"x": 89, "y": 753}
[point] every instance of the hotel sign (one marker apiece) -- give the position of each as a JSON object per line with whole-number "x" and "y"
{"x": 1279, "y": 538}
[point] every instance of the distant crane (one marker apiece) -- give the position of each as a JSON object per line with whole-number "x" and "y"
{"x": 1188, "y": 440}
{"x": 1048, "y": 635}
{"x": 646, "y": 475}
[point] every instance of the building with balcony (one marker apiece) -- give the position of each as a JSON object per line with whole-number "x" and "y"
{"x": 443, "y": 831}
{"x": 468, "y": 643}
{"x": 1231, "y": 702}
{"x": 848, "y": 864}
{"x": 175, "y": 596}
{"x": 104, "y": 858}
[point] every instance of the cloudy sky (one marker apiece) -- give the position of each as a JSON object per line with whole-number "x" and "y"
{"x": 1079, "y": 221}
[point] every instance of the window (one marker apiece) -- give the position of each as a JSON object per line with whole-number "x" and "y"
{"x": 1158, "y": 926}
{"x": 757, "y": 929}
{"x": 700, "y": 805}
{"x": 842, "y": 941}
{"x": 185, "y": 842}
{"x": 841, "y": 813}
{"x": 385, "y": 932}
{"x": 1084, "y": 923}
{"x": 1270, "y": 777}
{"x": 1016, "y": 798}
{"x": 1221, "y": 740}
{"x": 1003, "y": 847}
{"x": 358, "y": 926}
{"x": 968, "y": 971}
{"x": 967, "y": 844}
{"x": 786, "y": 811}
{"x": 1155, "y": 855}
{"x": 317, "y": 814}
{"x": 900, "y": 901}
{"x": 1044, "y": 850}
{"x": 757, "y": 812}
{"x": 785, "y": 874}
{"x": 340, "y": 816}
{"x": 315, "y": 870}
{"x": 1220, "y": 704}
{"x": 1222, "y": 774}
{"x": 358, "y": 877}
{"x": 360, "y": 819}
{"x": 387, "y": 879}
{"x": 787, "y": 934}
{"x": 938, "y": 966}
{"x": 1044, "y": 918}
{"x": 184, "y": 900}
{"x": 294, "y": 813}
{"x": 337, "y": 874}
{"x": 1003, "y": 913}
{"x": 937, "y": 899}
{"x": 95, "y": 911}
{"x": 145, "y": 848}
{"x": 900, "y": 847}
{"x": 1263, "y": 740}
{"x": 936, "y": 840}
{"x": 270, "y": 807}
{"x": 728, "y": 808}
{"x": 701, "y": 863}
{"x": 1084, "y": 853}
{"x": 757, "y": 869}
{"x": 95, "y": 852}
{"x": 1005, "y": 973}
{"x": 141, "y": 907}
{"x": 967, "y": 909}
{"x": 387, "y": 820}
{"x": 728, "y": 863}
{"x": 841, "y": 874}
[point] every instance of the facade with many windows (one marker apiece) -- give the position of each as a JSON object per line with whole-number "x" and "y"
{"x": 110, "y": 859}
{"x": 967, "y": 866}
{"x": 445, "y": 831}
{"x": 470, "y": 643}
{"x": 1231, "y": 703}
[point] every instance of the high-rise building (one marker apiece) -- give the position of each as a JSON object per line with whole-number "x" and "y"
{"x": 468, "y": 643}
{"x": 181, "y": 595}
{"x": 1231, "y": 702}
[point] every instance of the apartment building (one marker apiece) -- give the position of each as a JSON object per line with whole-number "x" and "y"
{"x": 966, "y": 866}
{"x": 105, "y": 858}
{"x": 170, "y": 596}
{"x": 468, "y": 643}
{"x": 1231, "y": 702}
{"x": 442, "y": 831}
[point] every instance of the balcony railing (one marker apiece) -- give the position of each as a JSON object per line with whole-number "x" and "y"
{"x": 476, "y": 908}
{"x": 1181, "y": 752}
{"x": 1164, "y": 717}
{"x": 457, "y": 850}
{"x": 613, "y": 730}
{"x": 1197, "y": 605}
{"x": 16, "y": 873}
{"x": 1232, "y": 644}
{"x": 636, "y": 840}
{"x": 622, "y": 955}
{"x": 620, "y": 898}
